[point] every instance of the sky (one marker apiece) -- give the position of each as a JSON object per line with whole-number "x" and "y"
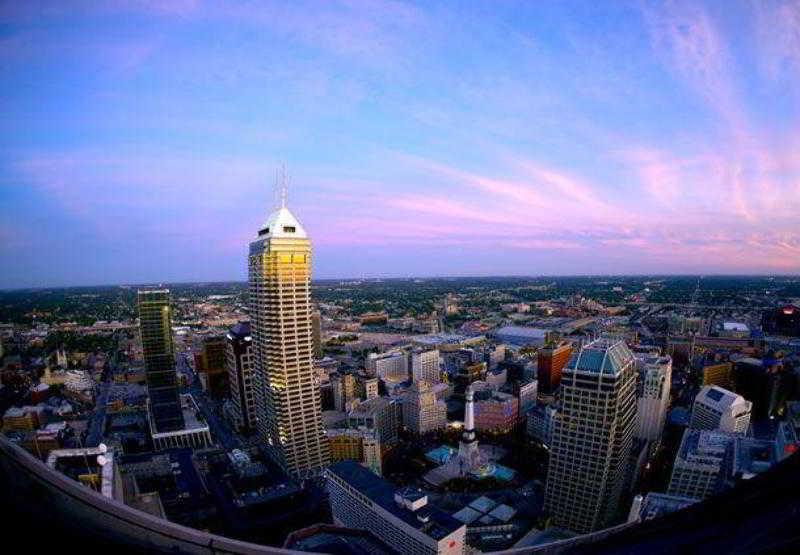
{"x": 139, "y": 140}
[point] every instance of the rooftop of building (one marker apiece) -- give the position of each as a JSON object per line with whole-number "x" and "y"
{"x": 735, "y": 326}
{"x": 336, "y": 540}
{"x": 602, "y": 356}
{"x": 240, "y": 331}
{"x": 81, "y": 463}
{"x": 370, "y": 405}
{"x": 434, "y": 339}
{"x": 429, "y": 519}
{"x": 705, "y": 444}
{"x": 387, "y": 354}
{"x": 159, "y": 293}
{"x": 753, "y": 456}
{"x": 522, "y": 331}
{"x": 719, "y": 397}
{"x": 192, "y": 417}
{"x": 657, "y": 504}
{"x": 281, "y": 223}
{"x": 651, "y": 359}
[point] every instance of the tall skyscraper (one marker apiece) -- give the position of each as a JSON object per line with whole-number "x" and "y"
{"x": 425, "y": 365}
{"x": 239, "y": 363}
{"x": 422, "y": 412}
{"x": 592, "y": 436}
{"x": 550, "y": 361}
{"x": 652, "y": 395}
{"x": 344, "y": 386}
{"x": 155, "y": 326}
{"x": 701, "y": 465}
{"x": 288, "y": 400}
{"x": 316, "y": 331}
{"x": 210, "y": 366}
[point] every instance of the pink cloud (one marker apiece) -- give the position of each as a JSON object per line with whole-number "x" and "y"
{"x": 687, "y": 40}
{"x": 778, "y": 33}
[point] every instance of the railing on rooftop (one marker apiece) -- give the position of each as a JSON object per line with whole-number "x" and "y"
{"x": 45, "y": 509}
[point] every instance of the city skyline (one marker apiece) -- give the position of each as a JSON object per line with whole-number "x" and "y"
{"x": 554, "y": 139}
{"x": 400, "y": 277}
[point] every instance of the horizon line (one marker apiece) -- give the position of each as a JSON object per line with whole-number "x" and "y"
{"x": 410, "y": 278}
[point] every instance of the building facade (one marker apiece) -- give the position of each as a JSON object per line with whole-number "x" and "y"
{"x": 550, "y": 361}
{"x": 289, "y": 409}
{"x": 540, "y": 422}
{"x": 495, "y": 411}
{"x": 390, "y": 366}
{"x": 360, "y": 445}
{"x": 210, "y": 365}
{"x": 316, "y": 333}
{"x": 422, "y": 411}
{"x": 344, "y": 391}
{"x": 425, "y": 365}
{"x": 379, "y": 415}
{"x": 401, "y": 518}
{"x": 592, "y": 436}
{"x": 718, "y": 409}
{"x": 194, "y": 433}
{"x": 702, "y": 465}
{"x": 155, "y": 327}
{"x": 652, "y": 395}
{"x": 241, "y": 381}
{"x": 718, "y": 374}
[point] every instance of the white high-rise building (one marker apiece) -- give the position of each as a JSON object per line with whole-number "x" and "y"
{"x": 400, "y": 518}
{"x": 652, "y": 395}
{"x": 718, "y": 409}
{"x": 422, "y": 412}
{"x": 592, "y": 436}
{"x": 390, "y": 366}
{"x": 702, "y": 464}
{"x": 425, "y": 366}
{"x": 288, "y": 398}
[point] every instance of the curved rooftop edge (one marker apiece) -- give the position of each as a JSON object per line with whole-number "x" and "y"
{"x": 44, "y": 509}
{"x": 760, "y": 515}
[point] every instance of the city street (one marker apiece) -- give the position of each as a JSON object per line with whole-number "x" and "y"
{"x": 220, "y": 430}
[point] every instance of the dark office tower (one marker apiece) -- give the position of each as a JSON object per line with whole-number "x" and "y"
{"x": 592, "y": 436}
{"x": 239, "y": 363}
{"x": 155, "y": 326}
{"x": 764, "y": 382}
{"x": 316, "y": 330}
{"x": 782, "y": 321}
{"x": 210, "y": 366}
{"x": 551, "y": 360}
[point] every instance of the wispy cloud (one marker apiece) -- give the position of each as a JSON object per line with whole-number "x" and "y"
{"x": 502, "y": 137}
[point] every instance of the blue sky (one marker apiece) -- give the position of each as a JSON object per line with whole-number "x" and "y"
{"x": 140, "y": 139}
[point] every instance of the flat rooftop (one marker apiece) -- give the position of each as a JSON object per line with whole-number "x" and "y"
{"x": 192, "y": 417}
{"x": 439, "y": 524}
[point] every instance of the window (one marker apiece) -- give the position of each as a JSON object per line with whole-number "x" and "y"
{"x": 288, "y": 229}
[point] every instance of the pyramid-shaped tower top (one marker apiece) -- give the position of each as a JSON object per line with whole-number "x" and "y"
{"x": 281, "y": 222}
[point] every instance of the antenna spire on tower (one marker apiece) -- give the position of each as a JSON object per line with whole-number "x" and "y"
{"x": 282, "y": 185}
